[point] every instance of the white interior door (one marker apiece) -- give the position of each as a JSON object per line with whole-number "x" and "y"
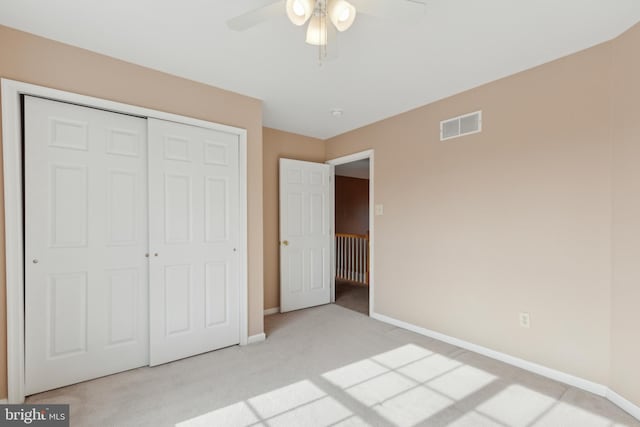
{"x": 194, "y": 228}
{"x": 305, "y": 234}
{"x": 85, "y": 244}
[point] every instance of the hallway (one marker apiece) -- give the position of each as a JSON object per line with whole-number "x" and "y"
{"x": 352, "y": 296}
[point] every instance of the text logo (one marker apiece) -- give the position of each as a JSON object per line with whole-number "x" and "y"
{"x": 34, "y": 415}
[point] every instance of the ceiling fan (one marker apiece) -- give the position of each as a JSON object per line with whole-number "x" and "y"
{"x": 341, "y": 14}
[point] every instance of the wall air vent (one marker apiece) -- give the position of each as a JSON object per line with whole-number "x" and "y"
{"x": 466, "y": 124}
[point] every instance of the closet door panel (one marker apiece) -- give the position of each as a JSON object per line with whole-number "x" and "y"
{"x": 85, "y": 243}
{"x": 194, "y": 208}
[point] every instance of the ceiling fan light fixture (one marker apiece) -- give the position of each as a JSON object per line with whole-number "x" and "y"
{"x": 317, "y": 31}
{"x": 299, "y": 11}
{"x": 342, "y": 14}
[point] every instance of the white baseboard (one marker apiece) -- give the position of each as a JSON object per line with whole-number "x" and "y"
{"x": 545, "y": 371}
{"x": 623, "y": 403}
{"x": 256, "y": 338}
{"x": 3, "y": 401}
{"x": 270, "y": 311}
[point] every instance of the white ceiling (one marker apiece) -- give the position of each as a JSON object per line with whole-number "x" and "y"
{"x": 357, "y": 169}
{"x": 385, "y": 66}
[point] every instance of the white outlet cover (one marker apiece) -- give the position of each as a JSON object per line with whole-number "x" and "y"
{"x": 379, "y": 209}
{"x": 525, "y": 320}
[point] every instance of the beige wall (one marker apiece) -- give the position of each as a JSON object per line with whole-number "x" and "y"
{"x": 625, "y": 337}
{"x": 514, "y": 219}
{"x": 40, "y": 61}
{"x": 278, "y": 144}
{"x": 538, "y": 213}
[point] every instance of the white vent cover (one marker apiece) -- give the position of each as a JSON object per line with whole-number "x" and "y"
{"x": 461, "y": 126}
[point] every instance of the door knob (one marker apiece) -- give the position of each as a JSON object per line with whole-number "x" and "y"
{"x": 35, "y": 261}
{"x": 285, "y": 242}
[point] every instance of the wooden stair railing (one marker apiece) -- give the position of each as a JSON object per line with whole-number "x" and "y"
{"x": 352, "y": 257}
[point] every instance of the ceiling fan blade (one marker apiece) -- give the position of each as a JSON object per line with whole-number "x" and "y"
{"x": 254, "y": 17}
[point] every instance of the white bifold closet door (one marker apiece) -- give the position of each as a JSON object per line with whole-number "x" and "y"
{"x": 85, "y": 243}
{"x": 194, "y": 231}
{"x": 131, "y": 235}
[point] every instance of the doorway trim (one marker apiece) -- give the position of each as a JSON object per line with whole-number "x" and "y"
{"x": 13, "y": 195}
{"x": 367, "y": 154}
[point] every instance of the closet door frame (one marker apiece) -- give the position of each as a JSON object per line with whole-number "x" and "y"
{"x": 13, "y": 209}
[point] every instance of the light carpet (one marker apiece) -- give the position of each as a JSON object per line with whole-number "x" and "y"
{"x": 329, "y": 366}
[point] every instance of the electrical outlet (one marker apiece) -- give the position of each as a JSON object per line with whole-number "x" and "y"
{"x": 525, "y": 320}
{"x": 379, "y": 210}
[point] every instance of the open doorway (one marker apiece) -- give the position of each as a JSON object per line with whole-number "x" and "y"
{"x": 307, "y": 236}
{"x": 352, "y": 225}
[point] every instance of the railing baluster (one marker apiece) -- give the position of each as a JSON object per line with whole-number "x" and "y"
{"x": 353, "y": 269}
{"x": 352, "y": 257}
{"x": 344, "y": 257}
{"x": 352, "y": 253}
{"x": 349, "y": 251}
{"x": 357, "y": 260}
{"x": 360, "y": 260}
{"x": 363, "y": 250}
{"x": 339, "y": 256}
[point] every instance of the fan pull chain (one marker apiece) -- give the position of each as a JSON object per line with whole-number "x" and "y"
{"x": 322, "y": 47}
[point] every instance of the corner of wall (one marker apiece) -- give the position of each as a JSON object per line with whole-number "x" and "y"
{"x": 625, "y": 294}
